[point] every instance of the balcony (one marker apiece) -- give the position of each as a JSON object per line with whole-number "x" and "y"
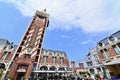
{"x": 21, "y": 70}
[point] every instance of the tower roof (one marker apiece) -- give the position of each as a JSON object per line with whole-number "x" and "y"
{"x": 4, "y": 42}
{"x": 42, "y": 13}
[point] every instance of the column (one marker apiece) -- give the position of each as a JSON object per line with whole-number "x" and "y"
{"x": 48, "y": 68}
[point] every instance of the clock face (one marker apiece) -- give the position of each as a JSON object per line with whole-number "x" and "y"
{"x": 29, "y": 49}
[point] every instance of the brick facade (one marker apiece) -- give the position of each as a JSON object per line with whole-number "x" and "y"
{"x": 66, "y": 62}
{"x": 49, "y": 59}
{"x": 21, "y": 61}
{"x": 1, "y": 54}
{"x": 58, "y": 60}
{"x": 10, "y": 56}
{"x": 100, "y": 55}
{"x": 112, "y": 52}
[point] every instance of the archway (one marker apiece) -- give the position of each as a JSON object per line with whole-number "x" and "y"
{"x": 43, "y": 75}
{"x": 21, "y": 71}
{"x": 43, "y": 68}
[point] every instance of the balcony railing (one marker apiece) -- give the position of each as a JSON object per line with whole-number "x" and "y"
{"x": 21, "y": 70}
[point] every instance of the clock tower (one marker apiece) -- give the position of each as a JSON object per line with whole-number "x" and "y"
{"x": 29, "y": 49}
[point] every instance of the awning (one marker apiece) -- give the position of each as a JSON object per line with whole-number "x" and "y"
{"x": 113, "y": 62}
{"x": 47, "y": 71}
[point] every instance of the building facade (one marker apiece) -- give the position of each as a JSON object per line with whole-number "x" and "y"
{"x": 109, "y": 53}
{"x": 7, "y": 50}
{"x": 53, "y": 63}
{"x": 94, "y": 63}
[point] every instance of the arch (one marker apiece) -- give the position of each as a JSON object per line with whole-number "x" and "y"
{"x": 61, "y": 69}
{"x": 53, "y": 68}
{"x": 2, "y": 66}
{"x": 43, "y": 68}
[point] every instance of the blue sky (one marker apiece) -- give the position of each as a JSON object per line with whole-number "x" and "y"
{"x": 75, "y": 26}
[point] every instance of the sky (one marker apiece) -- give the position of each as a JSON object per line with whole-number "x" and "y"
{"x": 75, "y": 25}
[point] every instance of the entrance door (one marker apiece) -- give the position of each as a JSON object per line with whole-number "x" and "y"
{"x": 20, "y": 75}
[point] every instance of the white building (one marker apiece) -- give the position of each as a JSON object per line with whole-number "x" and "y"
{"x": 94, "y": 64}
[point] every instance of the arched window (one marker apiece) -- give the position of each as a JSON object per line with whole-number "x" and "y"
{"x": 43, "y": 68}
{"x": 61, "y": 69}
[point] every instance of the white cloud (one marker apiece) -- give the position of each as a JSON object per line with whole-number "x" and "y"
{"x": 87, "y": 42}
{"x": 89, "y": 15}
{"x": 65, "y": 37}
